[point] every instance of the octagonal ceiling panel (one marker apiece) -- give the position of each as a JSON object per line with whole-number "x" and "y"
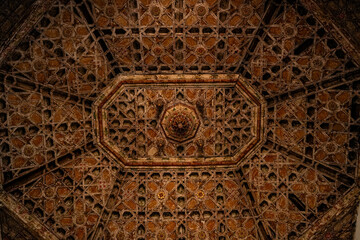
{"x": 179, "y": 120}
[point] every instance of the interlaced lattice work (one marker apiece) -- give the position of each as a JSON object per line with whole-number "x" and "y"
{"x": 61, "y": 52}
{"x": 317, "y": 127}
{"x": 38, "y": 127}
{"x": 288, "y": 193}
{"x": 168, "y": 36}
{"x": 51, "y": 161}
{"x": 135, "y": 123}
{"x": 178, "y": 205}
{"x": 344, "y": 13}
{"x": 70, "y": 199}
{"x": 297, "y": 49}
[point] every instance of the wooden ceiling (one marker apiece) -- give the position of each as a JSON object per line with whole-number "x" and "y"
{"x": 58, "y": 62}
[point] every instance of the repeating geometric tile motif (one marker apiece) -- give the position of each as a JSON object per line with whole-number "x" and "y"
{"x": 133, "y": 121}
{"x": 321, "y": 126}
{"x": 62, "y": 53}
{"x": 38, "y": 127}
{"x": 295, "y": 51}
{"x": 289, "y": 195}
{"x": 183, "y": 36}
{"x": 70, "y": 199}
{"x": 312, "y": 186}
{"x": 179, "y": 204}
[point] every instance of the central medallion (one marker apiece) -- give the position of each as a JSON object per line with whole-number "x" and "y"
{"x": 180, "y": 122}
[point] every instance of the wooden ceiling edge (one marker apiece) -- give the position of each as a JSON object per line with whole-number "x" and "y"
{"x": 38, "y": 9}
{"x": 331, "y": 26}
{"x": 30, "y": 223}
{"x": 351, "y": 198}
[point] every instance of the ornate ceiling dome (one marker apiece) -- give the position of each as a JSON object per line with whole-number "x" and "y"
{"x": 178, "y": 120}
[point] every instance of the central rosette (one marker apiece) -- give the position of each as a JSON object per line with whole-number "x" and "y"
{"x": 180, "y": 122}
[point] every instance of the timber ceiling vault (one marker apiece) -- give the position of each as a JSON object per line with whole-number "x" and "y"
{"x": 185, "y": 119}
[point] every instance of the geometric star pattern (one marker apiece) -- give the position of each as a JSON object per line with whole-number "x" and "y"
{"x": 55, "y": 173}
{"x": 222, "y": 118}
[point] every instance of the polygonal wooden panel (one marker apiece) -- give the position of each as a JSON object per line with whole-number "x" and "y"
{"x": 138, "y": 119}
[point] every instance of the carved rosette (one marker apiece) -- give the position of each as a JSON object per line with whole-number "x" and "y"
{"x": 180, "y": 123}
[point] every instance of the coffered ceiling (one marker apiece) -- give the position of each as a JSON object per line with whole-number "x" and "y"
{"x": 179, "y": 119}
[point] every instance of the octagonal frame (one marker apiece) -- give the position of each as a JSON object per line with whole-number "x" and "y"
{"x": 121, "y": 82}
